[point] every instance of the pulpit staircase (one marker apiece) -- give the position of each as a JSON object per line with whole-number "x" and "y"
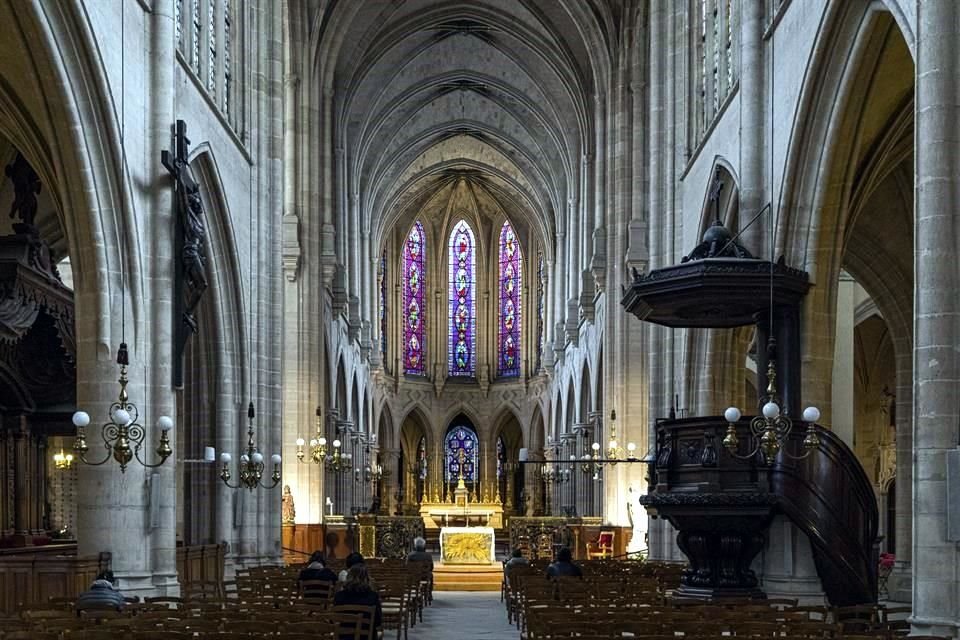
{"x": 721, "y": 506}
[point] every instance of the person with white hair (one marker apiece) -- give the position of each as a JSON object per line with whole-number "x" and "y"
{"x": 419, "y": 553}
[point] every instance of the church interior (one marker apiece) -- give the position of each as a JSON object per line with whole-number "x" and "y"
{"x": 573, "y": 318}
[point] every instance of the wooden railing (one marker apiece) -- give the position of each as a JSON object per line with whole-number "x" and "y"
{"x": 826, "y": 494}
{"x": 30, "y": 577}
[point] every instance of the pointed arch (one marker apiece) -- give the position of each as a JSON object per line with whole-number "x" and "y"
{"x": 462, "y": 270}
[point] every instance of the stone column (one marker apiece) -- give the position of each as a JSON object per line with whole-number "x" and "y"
{"x": 843, "y": 362}
{"x": 936, "y": 563}
{"x": 752, "y": 109}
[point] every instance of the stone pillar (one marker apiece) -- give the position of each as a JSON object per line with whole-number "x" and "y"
{"x": 936, "y": 563}
{"x": 842, "y": 402}
{"x": 752, "y": 110}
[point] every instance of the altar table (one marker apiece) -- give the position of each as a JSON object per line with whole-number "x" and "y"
{"x": 467, "y": 545}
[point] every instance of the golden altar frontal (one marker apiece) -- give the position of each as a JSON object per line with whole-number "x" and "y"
{"x": 467, "y": 545}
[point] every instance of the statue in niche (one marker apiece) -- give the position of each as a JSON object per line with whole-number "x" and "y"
{"x": 288, "y": 512}
{"x": 26, "y": 186}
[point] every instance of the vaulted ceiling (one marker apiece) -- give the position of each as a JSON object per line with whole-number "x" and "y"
{"x": 501, "y": 90}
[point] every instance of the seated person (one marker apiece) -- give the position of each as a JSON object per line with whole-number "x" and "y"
{"x": 103, "y": 594}
{"x": 357, "y": 590}
{"x": 516, "y": 560}
{"x": 419, "y": 553}
{"x": 316, "y": 569}
{"x": 352, "y": 559}
{"x": 563, "y": 566}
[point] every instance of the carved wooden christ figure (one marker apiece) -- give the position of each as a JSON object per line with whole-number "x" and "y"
{"x": 190, "y": 239}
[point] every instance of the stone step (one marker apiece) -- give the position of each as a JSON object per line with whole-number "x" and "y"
{"x": 467, "y": 577}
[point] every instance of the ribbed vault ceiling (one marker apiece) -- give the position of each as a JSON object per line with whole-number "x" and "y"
{"x": 497, "y": 90}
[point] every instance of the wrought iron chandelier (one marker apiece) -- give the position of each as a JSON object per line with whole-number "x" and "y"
{"x": 772, "y": 428}
{"x": 122, "y": 436}
{"x": 251, "y": 466}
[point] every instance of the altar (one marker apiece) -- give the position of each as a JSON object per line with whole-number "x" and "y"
{"x": 440, "y": 515}
{"x": 467, "y": 545}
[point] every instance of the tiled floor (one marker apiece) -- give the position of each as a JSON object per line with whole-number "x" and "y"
{"x": 462, "y": 615}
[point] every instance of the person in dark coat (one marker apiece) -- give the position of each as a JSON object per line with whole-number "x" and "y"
{"x": 419, "y": 553}
{"x": 357, "y": 590}
{"x": 102, "y": 594}
{"x": 564, "y": 566}
{"x": 516, "y": 560}
{"x": 352, "y": 558}
{"x": 316, "y": 569}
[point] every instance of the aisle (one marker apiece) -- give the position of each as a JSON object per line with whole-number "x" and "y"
{"x": 463, "y": 615}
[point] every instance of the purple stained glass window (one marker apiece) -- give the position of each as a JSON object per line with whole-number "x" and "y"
{"x": 413, "y": 307}
{"x": 539, "y": 311}
{"x": 462, "y": 437}
{"x": 508, "y": 364}
{"x": 463, "y": 306}
{"x": 383, "y": 306}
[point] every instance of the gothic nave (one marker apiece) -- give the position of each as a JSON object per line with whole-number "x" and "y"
{"x": 664, "y": 284}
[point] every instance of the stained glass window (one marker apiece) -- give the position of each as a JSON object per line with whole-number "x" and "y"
{"x": 464, "y": 438}
{"x": 422, "y": 458}
{"x": 508, "y": 361}
{"x": 212, "y": 47}
{"x": 197, "y": 26}
{"x": 383, "y": 305}
{"x": 178, "y": 21}
{"x": 463, "y": 305}
{"x": 540, "y": 316}
{"x": 227, "y": 60}
{"x": 413, "y": 307}
{"x": 501, "y": 455}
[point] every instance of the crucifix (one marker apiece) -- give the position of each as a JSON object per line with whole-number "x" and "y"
{"x": 190, "y": 280}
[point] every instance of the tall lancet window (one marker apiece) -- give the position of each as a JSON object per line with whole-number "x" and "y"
{"x": 540, "y": 316}
{"x": 508, "y": 364}
{"x": 383, "y": 307}
{"x": 413, "y": 307}
{"x": 463, "y": 304}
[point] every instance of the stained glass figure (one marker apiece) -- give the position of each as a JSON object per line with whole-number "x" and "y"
{"x": 383, "y": 306}
{"x": 463, "y": 305}
{"x": 540, "y": 317}
{"x": 459, "y": 437}
{"x": 511, "y": 262}
{"x": 413, "y": 308}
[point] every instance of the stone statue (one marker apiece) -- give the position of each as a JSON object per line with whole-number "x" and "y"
{"x": 288, "y": 512}
{"x": 26, "y": 186}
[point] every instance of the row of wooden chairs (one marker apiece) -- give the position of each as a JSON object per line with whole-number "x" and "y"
{"x": 315, "y": 622}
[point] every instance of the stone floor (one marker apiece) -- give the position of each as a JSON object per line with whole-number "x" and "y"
{"x": 463, "y": 615}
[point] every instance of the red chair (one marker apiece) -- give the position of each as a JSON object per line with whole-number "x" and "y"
{"x": 602, "y": 547}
